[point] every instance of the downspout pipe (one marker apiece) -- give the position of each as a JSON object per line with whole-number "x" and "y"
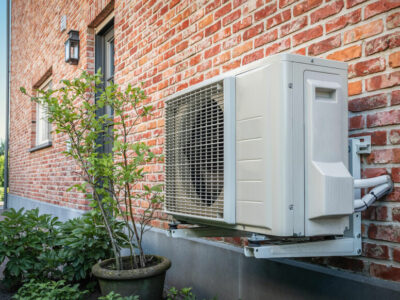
{"x": 7, "y": 107}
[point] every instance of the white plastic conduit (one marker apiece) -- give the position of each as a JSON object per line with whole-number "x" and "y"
{"x": 383, "y": 186}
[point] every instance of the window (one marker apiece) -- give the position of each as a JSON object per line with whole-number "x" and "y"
{"x": 104, "y": 59}
{"x": 43, "y": 127}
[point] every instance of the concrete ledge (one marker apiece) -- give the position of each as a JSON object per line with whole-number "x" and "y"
{"x": 216, "y": 269}
{"x": 63, "y": 213}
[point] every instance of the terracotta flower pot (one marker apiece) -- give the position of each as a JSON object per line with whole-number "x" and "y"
{"x": 147, "y": 282}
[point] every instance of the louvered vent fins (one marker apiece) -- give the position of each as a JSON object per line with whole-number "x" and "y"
{"x": 195, "y": 153}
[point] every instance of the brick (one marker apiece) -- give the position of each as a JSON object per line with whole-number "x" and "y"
{"x": 396, "y": 254}
{"x": 231, "y": 42}
{"x": 393, "y": 20}
{"x": 354, "y": 88}
{"x": 368, "y": 103}
{"x": 197, "y": 15}
{"x": 222, "y": 58}
{"x": 367, "y": 67}
{"x": 212, "y": 51}
{"x": 212, "y": 29}
{"x": 379, "y": 7}
{"x": 246, "y": 22}
{"x": 395, "y": 97}
{"x": 212, "y": 74}
{"x": 356, "y": 122}
{"x": 253, "y": 56}
{"x": 385, "y": 272}
{"x": 396, "y": 178}
{"x": 307, "y": 35}
{"x": 376, "y": 251}
{"x": 383, "y": 43}
{"x": 196, "y": 38}
{"x": 265, "y": 12}
{"x": 237, "y": 3}
{"x": 277, "y": 47}
{"x": 206, "y": 21}
{"x": 231, "y": 65}
{"x": 382, "y": 81}
{"x": 394, "y": 60}
{"x": 223, "y": 11}
{"x": 213, "y": 5}
{"x": 278, "y": 18}
{"x": 363, "y": 31}
{"x": 182, "y": 46}
{"x": 195, "y": 60}
{"x": 293, "y": 26}
{"x": 394, "y": 196}
{"x": 305, "y": 6}
{"x": 351, "y": 3}
{"x": 375, "y": 213}
{"x": 373, "y": 172}
{"x": 301, "y": 51}
{"x": 172, "y": 3}
{"x": 390, "y": 233}
{"x": 343, "y": 21}
{"x": 284, "y": 3}
{"x": 384, "y": 156}
{"x": 325, "y": 45}
{"x": 326, "y": 11}
{"x": 394, "y": 136}
{"x": 266, "y": 38}
{"x": 245, "y": 47}
{"x": 253, "y": 31}
{"x": 223, "y": 34}
{"x": 346, "y": 54}
{"x": 196, "y": 80}
{"x": 231, "y": 17}
{"x": 378, "y": 138}
{"x": 383, "y": 118}
{"x": 204, "y": 66}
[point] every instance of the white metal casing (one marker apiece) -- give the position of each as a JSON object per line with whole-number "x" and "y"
{"x": 287, "y": 169}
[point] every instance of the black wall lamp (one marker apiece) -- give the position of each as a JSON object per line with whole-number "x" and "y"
{"x": 72, "y": 48}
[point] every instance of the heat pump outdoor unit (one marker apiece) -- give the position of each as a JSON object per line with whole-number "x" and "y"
{"x": 263, "y": 149}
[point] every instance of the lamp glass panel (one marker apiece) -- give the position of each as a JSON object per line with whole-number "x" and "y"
{"x": 67, "y": 50}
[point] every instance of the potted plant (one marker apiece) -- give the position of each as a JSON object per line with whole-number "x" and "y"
{"x": 98, "y": 125}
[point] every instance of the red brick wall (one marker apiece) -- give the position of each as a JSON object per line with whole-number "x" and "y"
{"x": 170, "y": 45}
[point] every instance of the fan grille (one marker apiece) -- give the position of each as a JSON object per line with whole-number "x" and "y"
{"x": 195, "y": 153}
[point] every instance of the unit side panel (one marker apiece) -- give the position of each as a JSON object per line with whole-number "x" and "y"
{"x": 262, "y": 134}
{"x": 328, "y": 184}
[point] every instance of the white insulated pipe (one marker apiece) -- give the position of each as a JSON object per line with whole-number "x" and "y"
{"x": 371, "y": 182}
{"x": 383, "y": 186}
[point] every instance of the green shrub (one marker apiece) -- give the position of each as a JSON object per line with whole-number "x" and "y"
{"x": 28, "y": 240}
{"x": 84, "y": 242}
{"x": 49, "y": 290}
{"x": 115, "y": 296}
{"x": 41, "y": 247}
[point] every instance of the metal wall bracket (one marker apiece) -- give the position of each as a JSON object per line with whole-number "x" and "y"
{"x": 204, "y": 231}
{"x": 363, "y": 146}
{"x": 262, "y": 247}
{"x": 347, "y": 245}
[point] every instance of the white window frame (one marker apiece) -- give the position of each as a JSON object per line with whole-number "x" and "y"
{"x": 43, "y": 127}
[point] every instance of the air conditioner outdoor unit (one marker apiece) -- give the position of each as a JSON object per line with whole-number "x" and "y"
{"x": 263, "y": 149}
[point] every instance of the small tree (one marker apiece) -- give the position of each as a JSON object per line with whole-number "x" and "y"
{"x": 113, "y": 182}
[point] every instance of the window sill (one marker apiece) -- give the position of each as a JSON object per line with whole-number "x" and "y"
{"x": 41, "y": 146}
